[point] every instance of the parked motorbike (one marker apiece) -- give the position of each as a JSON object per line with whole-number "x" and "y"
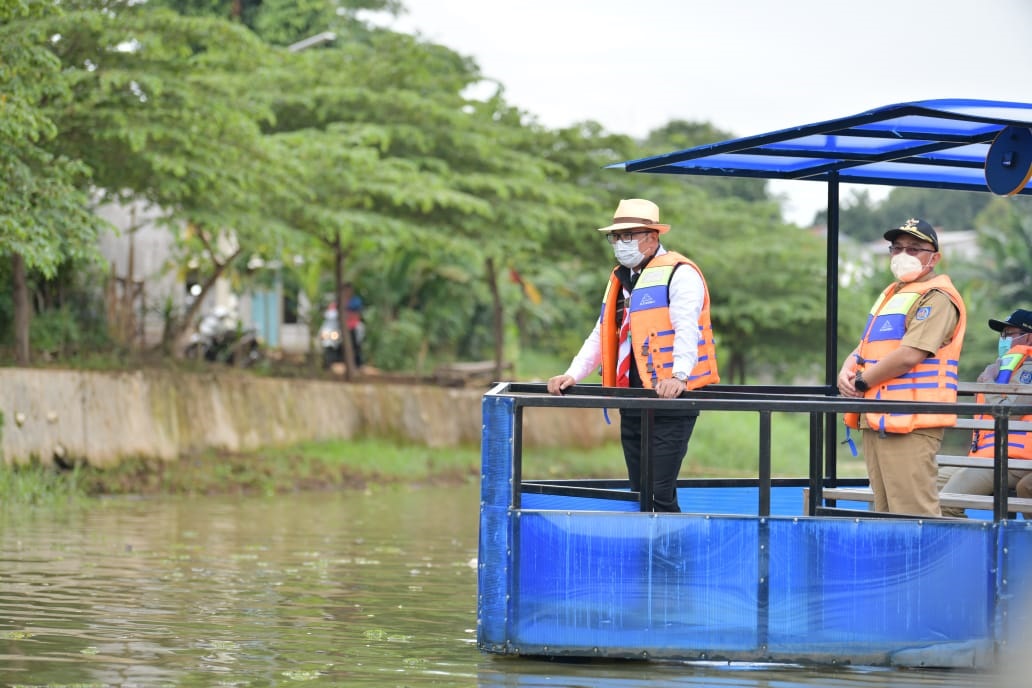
{"x": 330, "y": 337}
{"x": 220, "y": 339}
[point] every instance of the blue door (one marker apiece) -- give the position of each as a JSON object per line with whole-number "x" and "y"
{"x": 265, "y": 310}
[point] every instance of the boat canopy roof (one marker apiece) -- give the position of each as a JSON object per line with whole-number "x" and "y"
{"x": 929, "y": 143}
{"x": 965, "y": 144}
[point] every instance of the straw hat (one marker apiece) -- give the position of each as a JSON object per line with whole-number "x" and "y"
{"x": 633, "y": 213}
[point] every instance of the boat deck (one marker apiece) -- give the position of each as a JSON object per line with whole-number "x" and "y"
{"x": 579, "y": 568}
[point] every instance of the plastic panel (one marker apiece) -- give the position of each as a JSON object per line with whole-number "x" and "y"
{"x": 875, "y": 587}
{"x": 1014, "y": 614}
{"x": 690, "y": 586}
{"x": 495, "y": 556}
{"x": 553, "y": 502}
{"x": 631, "y": 584}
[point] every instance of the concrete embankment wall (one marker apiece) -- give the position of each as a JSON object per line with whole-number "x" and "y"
{"x": 105, "y": 417}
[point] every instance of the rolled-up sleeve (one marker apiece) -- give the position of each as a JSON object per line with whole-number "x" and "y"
{"x": 589, "y": 357}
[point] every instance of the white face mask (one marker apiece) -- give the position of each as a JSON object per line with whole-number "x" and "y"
{"x": 906, "y": 268}
{"x": 627, "y": 253}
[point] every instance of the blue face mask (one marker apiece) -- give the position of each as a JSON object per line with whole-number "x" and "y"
{"x": 1004, "y": 346}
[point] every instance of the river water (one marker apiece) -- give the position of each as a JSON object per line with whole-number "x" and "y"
{"x": 374, "y": 588}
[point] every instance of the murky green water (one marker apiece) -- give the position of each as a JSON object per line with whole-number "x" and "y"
{"x": 335, "y": 589}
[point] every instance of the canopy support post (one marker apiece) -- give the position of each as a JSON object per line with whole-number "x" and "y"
{"x": 831, "y": 323}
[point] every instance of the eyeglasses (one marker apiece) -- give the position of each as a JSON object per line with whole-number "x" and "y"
{"x": 911, "y": 250}
{"x": 627, "y": 236}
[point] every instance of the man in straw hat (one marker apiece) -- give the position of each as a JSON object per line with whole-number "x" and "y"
{"x": 909, "y": 351}
{"x": 654, "y": 333}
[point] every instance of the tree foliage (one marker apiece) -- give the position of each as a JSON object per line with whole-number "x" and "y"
{"x": 468, "y": 228}
{"x": 44, "y": 214}
{"x": 159, "y": 107}
{"x": 866, "y": 220}
{"x": 395, "y": 156}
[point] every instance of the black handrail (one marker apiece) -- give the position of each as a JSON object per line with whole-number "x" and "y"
{"x": 818, "y": 401}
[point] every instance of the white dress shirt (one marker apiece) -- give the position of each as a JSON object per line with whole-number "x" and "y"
{"x": 687, "y": 293}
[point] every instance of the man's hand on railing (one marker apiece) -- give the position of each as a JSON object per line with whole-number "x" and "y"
{"x": 557, "y": 384}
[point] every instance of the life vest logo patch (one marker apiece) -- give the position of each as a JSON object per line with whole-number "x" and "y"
{"x": 886, "y": 327}
{"x": 646, "y": 300}
{"x": 923, "y": 312}
{"x": 1025, "y": 377}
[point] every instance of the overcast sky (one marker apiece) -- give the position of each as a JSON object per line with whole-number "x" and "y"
{"x": 747, "y": 66}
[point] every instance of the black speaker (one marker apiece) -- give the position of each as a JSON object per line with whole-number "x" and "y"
{"x": 1008, "y": 165}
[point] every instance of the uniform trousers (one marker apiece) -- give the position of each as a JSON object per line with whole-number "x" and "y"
{"x": 976, "y": 481}
{"x": 902, "y": 470}
{"x": 670, "y": 435}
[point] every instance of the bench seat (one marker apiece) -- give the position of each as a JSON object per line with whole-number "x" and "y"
{"x": 984, "y": 424}
{"x": 947, "y": 499}
{"x": 981, "y": 462}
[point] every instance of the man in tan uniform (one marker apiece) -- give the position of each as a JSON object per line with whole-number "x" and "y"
{"x": 909, "y": 351}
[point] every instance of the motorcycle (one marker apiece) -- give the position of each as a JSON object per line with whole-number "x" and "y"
{"x": 220, "y": 339}
{"x": 330, "y": 337}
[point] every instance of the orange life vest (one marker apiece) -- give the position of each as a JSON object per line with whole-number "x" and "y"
{"x": 933, "y": 379}
{"x": 652, "y": 333}
{"x": 1019, "y": 443}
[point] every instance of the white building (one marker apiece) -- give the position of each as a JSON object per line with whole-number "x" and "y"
{"x": 141, "y": 258}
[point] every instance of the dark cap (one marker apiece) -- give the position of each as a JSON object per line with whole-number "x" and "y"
{"x": 915, "y": 228}
{"x": 1020, "y": 319}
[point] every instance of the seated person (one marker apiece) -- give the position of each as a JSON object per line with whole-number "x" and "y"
{"x": 1024, "y": 487}
{"x": 1014, "y": 366}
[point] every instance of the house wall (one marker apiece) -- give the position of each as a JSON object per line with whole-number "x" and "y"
{"x": 150, "y": 246}
{"x": 141, "y": 235}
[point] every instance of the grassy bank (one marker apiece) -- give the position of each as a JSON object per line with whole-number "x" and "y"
{"x": 273, "y": 470}
{"x": 724, "y": 445}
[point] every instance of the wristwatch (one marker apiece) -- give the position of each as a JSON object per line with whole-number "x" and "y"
{"x": 683, "y": 377}
{"x": 859, "y": 383}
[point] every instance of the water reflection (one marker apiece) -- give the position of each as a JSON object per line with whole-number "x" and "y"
{"x": 351, "y": 589}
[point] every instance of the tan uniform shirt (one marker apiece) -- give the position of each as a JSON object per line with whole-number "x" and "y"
{"x": 934, "y": 329}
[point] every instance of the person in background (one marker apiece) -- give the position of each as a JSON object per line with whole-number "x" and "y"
{"x": 354, "y": 324}
{"x": 1013, "y": 366}
{"x": 1024, "y": 487}
{"x": 654, "y": 333}
{"x": 909, "y": 351}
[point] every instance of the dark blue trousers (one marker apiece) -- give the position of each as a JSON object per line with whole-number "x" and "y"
{"x": 670, "y": 435}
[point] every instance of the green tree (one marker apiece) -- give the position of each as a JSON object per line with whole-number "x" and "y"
{"x": 866, "y": 220}
{"x": 359, "y": 118}
{"x": 1005, "y": 239}
{"x": 44, "y": 210}
{"x": 284, "y": 22}
{"x": 159, "y": 107}
{"x": 395, "y": 156}
{"x": 766, "y": 281}
{"x": 558, "y": 284}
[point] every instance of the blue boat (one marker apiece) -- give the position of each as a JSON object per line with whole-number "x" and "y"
{"x": 790, "y": 570}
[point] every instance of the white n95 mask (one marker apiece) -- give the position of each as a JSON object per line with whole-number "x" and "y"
{"x": 906, "y": 268}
